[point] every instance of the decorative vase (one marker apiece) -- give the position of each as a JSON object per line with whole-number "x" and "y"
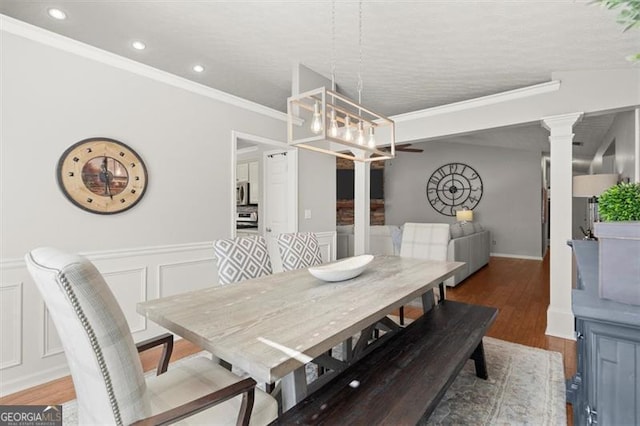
{"x": 619, "y": 261}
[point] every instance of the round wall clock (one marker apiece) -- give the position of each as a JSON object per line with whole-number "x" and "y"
{"x": 102, "y": 175}
{"x": 453, "y": 187}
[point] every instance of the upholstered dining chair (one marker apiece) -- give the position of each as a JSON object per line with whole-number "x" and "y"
{"x": 299, "y": 250}
{"x": 105, "y": 366}
{"x": 242, "y": 258}
{"x": 424, "y": 241}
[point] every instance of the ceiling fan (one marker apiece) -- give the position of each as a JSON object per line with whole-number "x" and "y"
{"x": 404, "y": 148}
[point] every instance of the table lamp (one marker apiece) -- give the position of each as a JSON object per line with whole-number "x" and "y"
{"x": 465, "y": 215}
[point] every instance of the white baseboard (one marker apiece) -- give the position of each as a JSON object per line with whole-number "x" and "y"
{"x": 8, "y": 387}
{"x": 516, "y": 256}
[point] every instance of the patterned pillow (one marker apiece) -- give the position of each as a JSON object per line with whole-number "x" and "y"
{"x": 456, "y": 230}
{"x": 468, "y": 229}
{"x": 242, "y": 259}
{"x": 299, "y": 250}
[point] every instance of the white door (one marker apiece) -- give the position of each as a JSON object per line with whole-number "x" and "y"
{"x": 280, "y": 199}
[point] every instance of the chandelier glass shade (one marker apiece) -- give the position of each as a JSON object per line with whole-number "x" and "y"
{"x": 325, "y": 121}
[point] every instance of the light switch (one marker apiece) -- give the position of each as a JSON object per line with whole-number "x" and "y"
{"x": 307, "y": 214}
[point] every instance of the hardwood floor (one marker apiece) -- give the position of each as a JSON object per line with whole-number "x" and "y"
{"x": 518, "y": 288}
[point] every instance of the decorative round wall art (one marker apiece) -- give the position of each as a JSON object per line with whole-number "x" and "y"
{"x": 454, "y": 186}
{"x": 102, "y": 175}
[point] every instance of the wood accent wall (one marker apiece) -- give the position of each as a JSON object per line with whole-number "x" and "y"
{"x": 344, "y": 208}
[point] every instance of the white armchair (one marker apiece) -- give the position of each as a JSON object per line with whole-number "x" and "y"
{"x": 424, "y": 241}
{"x": 105, "y": 366}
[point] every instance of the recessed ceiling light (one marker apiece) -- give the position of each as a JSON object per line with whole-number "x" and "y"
{"x": 198, "y": 68}
{"x": 57, "y": 14}
{"x": 138, "y": 45}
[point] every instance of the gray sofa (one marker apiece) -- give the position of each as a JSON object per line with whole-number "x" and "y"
{"x": 469, "y": 243}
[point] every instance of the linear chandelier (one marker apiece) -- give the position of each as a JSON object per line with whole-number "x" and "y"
{"x": 334, "y": 124}
{"x": 326, "y": 121}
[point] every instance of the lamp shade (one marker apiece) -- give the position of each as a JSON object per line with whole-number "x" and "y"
{"x": 593, "y": 185}
{"x": 464, "y": 215}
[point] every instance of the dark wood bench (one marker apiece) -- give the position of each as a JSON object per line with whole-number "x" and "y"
{"x": 405, "y": 378}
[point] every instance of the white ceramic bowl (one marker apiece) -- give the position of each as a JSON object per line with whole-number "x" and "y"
{"x": 343, "y": 269}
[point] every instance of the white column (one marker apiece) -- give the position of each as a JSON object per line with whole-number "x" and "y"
{"x": 361, "y": 208}
{"x": 559, "y": 315}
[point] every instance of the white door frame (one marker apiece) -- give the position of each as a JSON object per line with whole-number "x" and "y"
{"x": 293, "y": 175}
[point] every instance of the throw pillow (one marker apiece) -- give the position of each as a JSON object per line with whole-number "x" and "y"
{"x": 467, "y": 228}
{"x": 456, "y": 231}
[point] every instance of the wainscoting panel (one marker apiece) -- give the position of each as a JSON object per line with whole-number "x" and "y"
{"x": 10, "y": 324}
{"x": 327, "y": 242}
{"x": 174, "y": 277}
{"x": 51, "y": 344}
{"x": 31, "y": 351}
{"x": 129, "y": 286}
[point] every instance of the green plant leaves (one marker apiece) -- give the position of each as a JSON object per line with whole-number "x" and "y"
{"x": 620, "y": 202}
{"x": 629, "y": 16}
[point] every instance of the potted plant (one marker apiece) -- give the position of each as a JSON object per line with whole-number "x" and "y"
{"x": 619, "y": 243}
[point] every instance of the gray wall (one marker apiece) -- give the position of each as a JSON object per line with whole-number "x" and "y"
{"x": 623, "y": 132}
{"x": 316, "y": 171}
{"x": 580, "y": 217}
{"x": 511, "y": 202}
{"x": 52, "y": 99}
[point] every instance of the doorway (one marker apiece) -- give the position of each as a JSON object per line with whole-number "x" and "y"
{"x": 281, "y": 208}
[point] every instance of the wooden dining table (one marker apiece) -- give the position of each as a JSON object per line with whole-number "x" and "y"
{"x": 272, "y": 326}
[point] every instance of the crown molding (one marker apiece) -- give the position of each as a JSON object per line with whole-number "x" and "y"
{"x": 48, "y": 38}
{"x": 523, "y": 92}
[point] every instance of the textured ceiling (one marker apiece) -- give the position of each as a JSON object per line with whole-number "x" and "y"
{"x": 415, "y": 54}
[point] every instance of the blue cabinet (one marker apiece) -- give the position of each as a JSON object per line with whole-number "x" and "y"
{"x": 606, "y": 387}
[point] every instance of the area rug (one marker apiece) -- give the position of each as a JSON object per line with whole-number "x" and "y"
{"x": 525, "y": 387}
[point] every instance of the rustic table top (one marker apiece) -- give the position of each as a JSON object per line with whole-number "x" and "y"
{"x": 272, "y": 325}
